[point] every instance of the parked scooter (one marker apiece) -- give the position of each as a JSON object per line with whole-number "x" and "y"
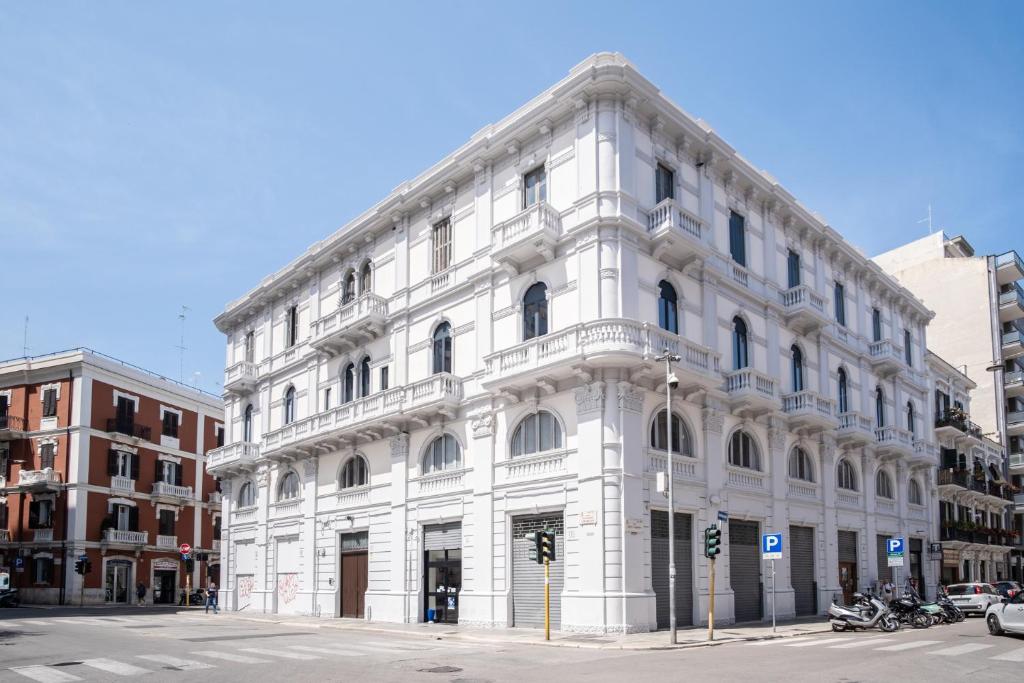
{"x": 9, "y": 597}
{"x": 866, "y": 612}
{"x": 197, "y": 598}
{"x": 909, "y": 611}
{"x": 953, "y": 613}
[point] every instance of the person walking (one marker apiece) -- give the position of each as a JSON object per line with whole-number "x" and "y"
{"x": 140, "y": 593}
{"x": 887, "y": 591}
{"x": 211, "y": 598}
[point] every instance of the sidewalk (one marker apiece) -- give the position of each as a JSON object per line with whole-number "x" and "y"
{"x": 687, "y": 638}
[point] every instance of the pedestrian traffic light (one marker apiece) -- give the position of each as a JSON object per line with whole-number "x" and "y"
{"x": 189, "y": 564}
{"x": 547, "y": 545}
{"x": 533, "y": 538}
{"x": 712, "y": 542}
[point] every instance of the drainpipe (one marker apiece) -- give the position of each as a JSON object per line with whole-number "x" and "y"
{"x": 67, "y": 473}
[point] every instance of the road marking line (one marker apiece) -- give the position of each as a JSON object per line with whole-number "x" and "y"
{"x": 115, "y": 667}
{"x": 1013, "y": 656}
{"x": 908, "y": 646}
{"x": 960, "y": 649}
{"x": 861, "y": 643}
{"x": 776, "y": 641}
{"x": 404, "y": 645}
{"x": 120, "y": 620}
{"x": 44, "y": 674}
{"x": 231, "y": 657}
{"x": 275, "y": 653}
{"x": 33, "y": 622}
{"x": 369, "y": 647}
{"x": 328, "y": 651}
{"x": 808, "y": 643}
{"x": 183, "y": 664}
{"x": 85, "y": 621}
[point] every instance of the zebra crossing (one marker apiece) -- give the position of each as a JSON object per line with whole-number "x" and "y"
{"x": 997, "y": 649}
{"x": 141, "y": 620}
{"x": 200, "y": 660}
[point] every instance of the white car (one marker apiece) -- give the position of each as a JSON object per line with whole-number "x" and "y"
{"x": 1006, "y": 617}
{"x": 973, "y": 598}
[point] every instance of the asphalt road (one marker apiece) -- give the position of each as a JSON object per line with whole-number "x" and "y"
{"x": 53, "y": 646}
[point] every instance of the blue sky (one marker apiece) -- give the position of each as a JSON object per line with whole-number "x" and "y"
{"x": 159, "y": 156}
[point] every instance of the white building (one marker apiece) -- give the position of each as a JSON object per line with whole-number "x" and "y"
{"x": 473, "y": 359}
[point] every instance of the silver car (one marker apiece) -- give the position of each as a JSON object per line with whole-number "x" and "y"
{"x": 974, "y": 598}
{"x": 1006, "y": 617}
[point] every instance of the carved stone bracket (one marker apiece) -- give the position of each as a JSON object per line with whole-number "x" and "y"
{"x": 589, "y": 398}
{"x": 482, "y": 425}
{"x": 262, "y": 476}
{"x": 399, "y": 445}
{"x": 630, "y": 399}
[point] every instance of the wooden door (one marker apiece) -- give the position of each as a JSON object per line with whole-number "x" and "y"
{"x": 353, "y": 584}
{"x": 848, "y": 580}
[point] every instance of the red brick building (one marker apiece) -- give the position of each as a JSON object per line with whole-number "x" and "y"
{"x": 102, "y": 459}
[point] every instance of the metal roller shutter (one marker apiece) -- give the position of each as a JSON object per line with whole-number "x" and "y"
{"x": 528, "y": 575}
{"x": 443, "y": 536}
{"x": 884, "y": 570}
{"x": 847, "y": 546}
{"x": 684, "y": 567}
{"x": 801, "y": 569}
{"x": 745, "y": 570}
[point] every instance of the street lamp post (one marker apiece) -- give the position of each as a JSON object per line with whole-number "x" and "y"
{"x": 670, "y": 383}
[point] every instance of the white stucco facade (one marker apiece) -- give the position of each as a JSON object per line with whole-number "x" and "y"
{"x": 604, "y": 247}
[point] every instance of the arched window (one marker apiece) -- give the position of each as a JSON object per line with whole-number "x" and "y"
{"x": 348, "y": 381}
{"x": 844, "y": 402}
{"x": 442, "y": 350}
{"x": 681, "y": 442}
{"x": 365, "y": 278}
{"x": 247, "y": 424}
{"x": 740, "y": 357}
{"x": 800, "y": 465}
{"x": 879, "y": 407}
{"x": 535, "y": 311}
{"x": 743, "y": 451}
{"x": 289, "y": 406}
{"x": 914, "y": 493}
{"x": 364, "y": 377}
{"x": 537, "y": 433}
{"x": 348, "y": 288}
{"x": 911, "y": 427}
{"x": 668, "y": 309}
{"x": 247, "y": 495}
{"x": 883, "y": 485}
{"x": 289, "y": 487}
{"x": 798, "y": 368}
{"x": 442, "y": 454}
{"x": 353, "y": 473}
{"x": 846, "y": 475}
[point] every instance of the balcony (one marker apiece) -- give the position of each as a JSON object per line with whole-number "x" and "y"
{"x": 886, "y": 357}
{"x": 954, "y": 479}
{"x": 215, "y": 545}
{"x": 803, "y": 309}
{"x": 5, "y": 536}
{"x": 1009, "y": 268}
{"x": 954, "y": 423}
{"x": 925, "y": 453}
{"x": 215, "y": 497}
{"x": 855, "y": 430}
{"x": 233, "y": 457}
{"x": 42, "y": 535}
{"x": 531, "y": 236}
{"x": 576, "y": 350}
{"x": 241, "y": 377}
{"x": 1013, "y": 344}
{"x": 124, "y": 537}
{"x": 1016, "y": 459}
{"x": 122, "y": 485}
{"x": 1015, "y": 422}
{"x": 894, "y": 441}
{"x": 12, "y": 427}
{"x": 136, "y": 431}
{"x": 677, "y": 234}
{"x": 353, "y": 324}
{"x": 751, "y": 391}
{"x": 809, "y": 412}
{"x": 1011, "y": 303}
{"x": 166, "y": 542}
{"x": 162, "y": 489}
{"x": 1013, "y": 382}
{"x": 39, "y": 480}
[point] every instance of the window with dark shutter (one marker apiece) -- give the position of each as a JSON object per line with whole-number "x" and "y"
{"x": 133, "y": 519}
{"x": 46, "y": 455}
{"x": 737, "y": 238}
{"x": 50, "y": 403}
{"x": 170, "y": 425}
{"x": 135, "y": 467}
{"x": 167, "y": 523}
{"x": 664, "y": 183}
{"x": 384, "y": 378}
{"x": 220, "y": 436}
{"x": 33, "y": 515}
{"x": 125, "y": 415}
{"x": 177, "y": 474}
{"x": 113, "y": 463}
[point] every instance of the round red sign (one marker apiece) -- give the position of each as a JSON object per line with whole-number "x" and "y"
{"x": 185, "y": 548}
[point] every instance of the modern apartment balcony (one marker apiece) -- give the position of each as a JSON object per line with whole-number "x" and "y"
{"x": 1009, "y": 268}
{"x": 165, "y": 542}
{"x": 804, "y": 310}
{"x": 166, "y": 491}
{"x": 233, "y": 457}
{"x": 855, "y": 430}
{"x": 136, "y": 431}
{"x": 124, "y": 537}
{"x": 809, "y": 412}
{"x": 37, "y": 481}
{"x": 241, "y": 377}
{"x": 532, "y": 235}
{"x": 1016, "y": 462}
{"x": 353, "y": 324}
{"x": 677, "y": 234}
{"x": 751, "y": 391}
{"x": 1015, "y": 423}
{"x": 953, "y": 423}
{"x": 578, "y": 350}
{"x": 1011, "y": 303}
{"x": 1013, "y": 382}
{"x": 886, "y": 357}
{"x": 12, "y": 427}
{"x": 1013, "y": 344}
{"x": 894, "y": 441}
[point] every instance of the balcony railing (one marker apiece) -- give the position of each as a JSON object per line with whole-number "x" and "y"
{"x": 242, "y": 373}
{"x": 959, "y": 422}
{"x": 42, "y": 535}
{"x": 215, "y": 497}
{"x": 885, "y": 352}
{"x": 538, "y": 218}
{"x": 669, "y": 215}
{"x": 129, "y": 537}
{"x": 893, "y": 437}
{"x": 810, "y": 402}
{"x": 242, "y": 453}
{"x": 1015, "y": 417}
{"x": 952, "y": 477}
{"x": 122, "y": 484}
{"x": 138, "y": 431}
{"x": 162, "y": 488}
{"x": 802, "y": 295}
{"x": 751, "y": 381}
{"x": 38, "y": 477}
{"x": 12, "y": 422}
{"x": 1008, "y": 259}
{"x": 215, "y": 545}
{"x": 1014, "y": 295}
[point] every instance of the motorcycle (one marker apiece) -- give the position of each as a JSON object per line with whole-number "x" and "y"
{"x": 9, "y": 597}
{"x": 196, "y": 598}
{"x": 866, "y": 612}
{"x": 953, "y": 613}
{"x": 908, "y": 611}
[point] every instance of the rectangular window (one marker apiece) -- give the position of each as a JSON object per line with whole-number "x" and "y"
{"x": 908, "y": 348}
{"x": 125, "y": 415}
{"x": 876, "y": 324}
{"x": 327, "y": 398}
{"x": 793, "y": 267}
{"x": 737, "y": 238}
{"x": 292, "y": 326}
{"x": 167, "y": 523}
{"x": 250, "y": 346}
{"x": 664, "y": 183}
{"x": 384, "y": 378}
{"x": 46, "y": 455}
{"x": 219, "y": 431}
{"x": 442, "y": 245}
{"x": 3, "y": 407}
{"x": 170, "y": 425}
{"x": 840, "y": 303}
{"x": 42, "y": 570}
{"x": 40, "y": 514}
{"x": 535, "y": 187}
{"x": 50, "y": 403}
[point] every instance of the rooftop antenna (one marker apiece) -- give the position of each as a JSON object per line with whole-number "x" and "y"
{"x": 24, "y": 341}
{"x": 928, "y": 220}
{"x": 181, "y": 345}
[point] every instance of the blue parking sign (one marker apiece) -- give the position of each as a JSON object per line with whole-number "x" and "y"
{"x": 894, "y": 547}
{"x": 771, "y": 546}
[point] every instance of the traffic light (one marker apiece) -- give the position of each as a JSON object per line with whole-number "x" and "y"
{"x": 533, "y": 538}
{"x": 189, "y": 564}
{"x": 712, "y": 542}
{"x": 87, "y": 567}
{"x": 80, "y": 566}
{"x": 547, "y": 545}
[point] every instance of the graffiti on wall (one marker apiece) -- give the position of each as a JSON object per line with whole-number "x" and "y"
{"x": 287, "y": 587}
{"x": 245, "y": 586}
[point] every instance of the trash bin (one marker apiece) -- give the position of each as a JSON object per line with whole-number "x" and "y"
{"x": 430, "y": 615}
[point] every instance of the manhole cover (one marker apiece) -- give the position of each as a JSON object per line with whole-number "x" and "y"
{"x": 441, "y": 670}
{"x": 65, "y": 664}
